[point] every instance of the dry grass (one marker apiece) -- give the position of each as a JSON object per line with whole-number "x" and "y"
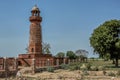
{"x": 67, "y": 75}
{"x": 71, "y": 75}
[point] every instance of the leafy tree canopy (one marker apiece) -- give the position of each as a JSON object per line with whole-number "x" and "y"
{"x": 81, "y": 53}
{"x": 105, "y": 37}
{"x": 71, "y": 54}
{"x": 60, "y": 54}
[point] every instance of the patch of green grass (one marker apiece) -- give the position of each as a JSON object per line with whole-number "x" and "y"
{"x": 107, "y": 64}
{"x": 100, "y": 64}
{"x": 50, "y": 69}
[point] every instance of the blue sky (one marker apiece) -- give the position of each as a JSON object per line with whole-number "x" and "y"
{"x": 67, "y": 24}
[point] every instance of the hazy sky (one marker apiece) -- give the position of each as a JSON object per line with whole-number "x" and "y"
{"x": 67, "y": 24}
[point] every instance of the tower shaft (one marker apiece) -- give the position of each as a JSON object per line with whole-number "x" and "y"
{"x": 35, "y": 39}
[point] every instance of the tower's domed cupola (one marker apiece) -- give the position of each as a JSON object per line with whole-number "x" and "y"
{"x": 35, "y": 11}
{"x": 35, "y": 14}
{"x": 35, "y": 8}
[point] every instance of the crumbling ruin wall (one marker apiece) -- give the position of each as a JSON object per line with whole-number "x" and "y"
{"x": 8, "y": 66}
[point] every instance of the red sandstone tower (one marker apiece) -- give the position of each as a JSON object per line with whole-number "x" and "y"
{"x": 35, "y": 43}
{"x": 35, "y": 40}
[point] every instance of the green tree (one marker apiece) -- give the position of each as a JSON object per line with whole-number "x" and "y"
{"x": 106, "y": 56}
{"x": 117, "y": 44}
{"x": 70, "y": 55}
{"x": 60, "y": 54}
{"x": 104, "y": 39}
{"x": 82, "y": 54}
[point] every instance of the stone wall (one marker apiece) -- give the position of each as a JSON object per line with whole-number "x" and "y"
{"x": 8, "y": 66}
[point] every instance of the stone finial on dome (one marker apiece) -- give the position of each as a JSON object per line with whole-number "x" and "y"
{"x": 35, "y": 8}
{"x": 35, "y": 11}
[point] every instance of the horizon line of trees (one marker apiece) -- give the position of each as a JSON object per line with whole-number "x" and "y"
{"x": 73, "y": 55}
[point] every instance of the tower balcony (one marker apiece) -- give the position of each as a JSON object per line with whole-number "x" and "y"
{"x": 35, "y": 18}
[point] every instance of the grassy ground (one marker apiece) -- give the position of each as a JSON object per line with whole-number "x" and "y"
{"x": 107, "y": 64}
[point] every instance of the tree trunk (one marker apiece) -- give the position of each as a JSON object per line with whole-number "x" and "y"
{"x": 116, "y": 62}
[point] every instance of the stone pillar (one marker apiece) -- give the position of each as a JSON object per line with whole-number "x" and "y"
{"x": 52, "y": 62}
{"x": 64, "y": 61}
{"x": 69, "y": 61}
{"x": 79, "y": 60}
{"x": 6, "y": 67}
{"x": 3, "y": 64}
{"x": 73, "y": 60}
{"x": 39, "y": 63}
{"x": 48, "y": 62}
{"x": 57, "y": 62}
{"x": 43, "y": 63}
{"x": 33, "y": 66}
{"x": 16, "y": 64}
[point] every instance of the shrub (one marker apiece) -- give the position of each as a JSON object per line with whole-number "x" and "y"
{"x": 82, "y": 77}
{"x": 77, "y": 67}
{"x": 85, "y": 72}
{"x": 74, "y": 66}
{"x": 94, "y": 68}
{"x": 118, "y": 73}
{"x": 111, "y": 74}
{"x": 104, "y": 72}
{"x": 50, "y": 69}
{"x": 60, "y": 77}
{"x": 101, "y": 68}
{"x": 64, "y": 66}
{"x": 88, "y": 66}
{"x": 83, "y": 67}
